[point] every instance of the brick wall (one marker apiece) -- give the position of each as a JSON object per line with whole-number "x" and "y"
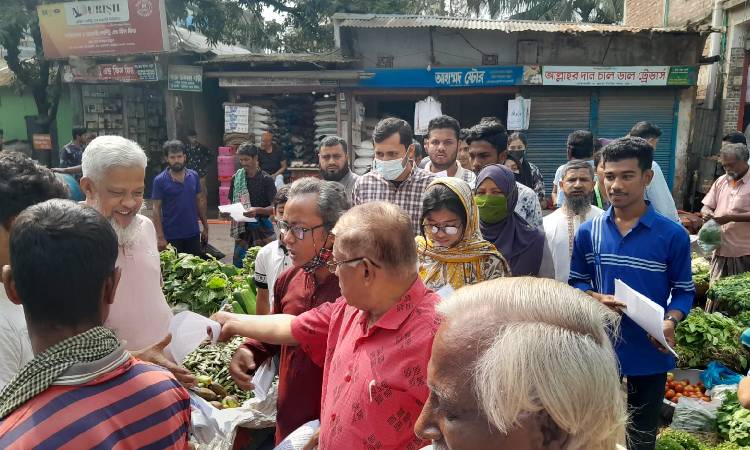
{"x": 731, "y": 102}
{"x": 683, "y": 11}
{"x": 644, "y": 13}
{"x": 650, "y": 13}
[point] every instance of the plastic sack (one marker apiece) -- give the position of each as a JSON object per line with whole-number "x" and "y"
{"x": 709, "y": 236}
{"x": 716, "y": 373}
{"x": 695, "y": 415}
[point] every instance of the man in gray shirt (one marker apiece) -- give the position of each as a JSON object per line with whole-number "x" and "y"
{"x": 334, "y": 163}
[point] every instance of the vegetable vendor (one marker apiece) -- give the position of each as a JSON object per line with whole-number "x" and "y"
{"x": 728, "y": 203}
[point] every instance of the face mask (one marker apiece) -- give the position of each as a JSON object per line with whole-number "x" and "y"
{"x": 492, "y": 209}
{"x": 518, "y": 155}
{"x": 390, "y": 170}
{"x": 324, "y": 255}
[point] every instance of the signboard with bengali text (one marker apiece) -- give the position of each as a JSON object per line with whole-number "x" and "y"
{"x": 103, "y": 27}
{"x": 638, "y": 76}
{"x": 185, "y": 78}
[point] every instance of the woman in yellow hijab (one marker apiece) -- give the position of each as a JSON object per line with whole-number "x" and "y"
{"x": 451, "y": 248}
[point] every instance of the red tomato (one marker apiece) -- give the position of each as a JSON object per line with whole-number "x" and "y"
{"x": 679, "y": 388}
{"x": 670, "y": 394}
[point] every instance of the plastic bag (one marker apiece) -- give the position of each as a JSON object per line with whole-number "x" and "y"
{"x": 709, "y": 236}
{"x": 716, "y": 373}
{"x": 694, "y": 415}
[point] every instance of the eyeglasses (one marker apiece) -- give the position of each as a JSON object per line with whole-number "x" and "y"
{"x": 297, "y": 231}
{"x": 450, "y": 230}
{"x": 333, "y": 265}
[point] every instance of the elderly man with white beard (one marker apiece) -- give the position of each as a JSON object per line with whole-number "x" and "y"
{"x": 114, "y": 169}
{"x": 561, "y": 226}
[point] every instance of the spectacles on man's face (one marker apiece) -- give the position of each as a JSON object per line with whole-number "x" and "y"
{"x": 450, "y": 230}
{"x": 297, "y": 231}
{"x": 334, "y": 265}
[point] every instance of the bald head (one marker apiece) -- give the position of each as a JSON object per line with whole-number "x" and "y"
{"x": 382, "y": 231}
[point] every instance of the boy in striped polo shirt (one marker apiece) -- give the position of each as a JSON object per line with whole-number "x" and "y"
{"x": 650, "y": 253}
{"x": 82, "y": 389}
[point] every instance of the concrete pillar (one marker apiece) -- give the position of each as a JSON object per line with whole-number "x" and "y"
{"x": 682, "y": 139}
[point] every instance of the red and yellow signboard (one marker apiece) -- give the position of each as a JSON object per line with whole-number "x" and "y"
{"x": 103, "y": 27}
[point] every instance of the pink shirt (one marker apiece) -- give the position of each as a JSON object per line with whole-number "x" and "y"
{"x": 140, "y": 314}
{"x": 374, "y": 381}
{"x": 724, "y": 199}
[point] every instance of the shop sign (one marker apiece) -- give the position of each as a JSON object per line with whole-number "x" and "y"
{"x": 618, "y": 76}
{"x": 267, "y": 82}
{"x": 41, "y": 141}
{"x": 460, "y": 77}
{"x": 103, "y": 27}
{"x": 185, "y": 78}
{"x": 123, "y": 72}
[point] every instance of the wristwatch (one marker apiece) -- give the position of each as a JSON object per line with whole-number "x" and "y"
{"x": 672, "y": 318}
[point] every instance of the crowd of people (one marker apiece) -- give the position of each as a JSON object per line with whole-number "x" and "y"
{"x": 410, "y": 307}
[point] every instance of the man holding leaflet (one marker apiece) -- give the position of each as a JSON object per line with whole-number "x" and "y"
{"x": 651, "y": 254}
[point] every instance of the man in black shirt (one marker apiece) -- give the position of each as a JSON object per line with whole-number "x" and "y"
{"x": 272, "y": 160}
{"x": 255, "y": 189}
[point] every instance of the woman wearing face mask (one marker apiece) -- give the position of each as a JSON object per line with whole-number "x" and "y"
{"x": 520, "y": 243}
{"x": 451, "y": 249}
{"x": 528, "y": 173}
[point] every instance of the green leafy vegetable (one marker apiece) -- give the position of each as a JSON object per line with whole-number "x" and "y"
{"x": 203, "y": 285}
{"x": 732, "y": 293}
{"x": 704, "y": 337}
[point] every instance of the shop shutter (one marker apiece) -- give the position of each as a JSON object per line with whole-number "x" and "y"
{"x": 619, "y": 112}
{"x": 552, "y": 120}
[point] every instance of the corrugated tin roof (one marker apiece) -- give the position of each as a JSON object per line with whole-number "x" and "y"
{"x": 333, "y": 57}
{"x": 192, "y": 41}
{"x": 507, "y": 26}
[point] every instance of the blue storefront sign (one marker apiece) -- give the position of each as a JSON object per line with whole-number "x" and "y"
{"x": 443, "y": 77}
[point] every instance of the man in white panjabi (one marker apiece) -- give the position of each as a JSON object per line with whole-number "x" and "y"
{"x": 561, "y": 226}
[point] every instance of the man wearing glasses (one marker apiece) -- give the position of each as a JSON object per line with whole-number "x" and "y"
{"x": 373, "y": 343}
{"x": 312, "y": 209}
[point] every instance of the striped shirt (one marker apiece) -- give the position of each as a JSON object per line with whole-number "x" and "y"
{"x": 654, "y": 259}
{"x": 134, "y": 405}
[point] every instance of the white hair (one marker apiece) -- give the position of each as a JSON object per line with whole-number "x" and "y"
{"x": 107, "y": 152}
{"x": 541, "y": 346}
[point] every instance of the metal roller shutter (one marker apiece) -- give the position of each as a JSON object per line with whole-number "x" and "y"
{"x": 618, "y": 113}
{"x": 552, "y": 120}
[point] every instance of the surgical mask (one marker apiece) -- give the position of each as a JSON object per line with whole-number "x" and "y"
{"x": 492, "y": 209}
{"x": 390, "y": 170}
{"x": 518, "y": 155}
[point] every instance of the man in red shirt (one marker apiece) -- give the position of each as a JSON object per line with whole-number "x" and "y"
{"x": 312, "y": 209}
{"x": 373, "y": 343}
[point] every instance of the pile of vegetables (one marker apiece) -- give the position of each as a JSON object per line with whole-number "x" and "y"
{"x": 203, "y": 286}
{"x": 732, "y": 293}
{"x": 703, "y": 337}
{"x": 675, "y": 390}
{"x": 733, "y": 421}
{"x": 210, "y": 364}
{"x": 681, "y": 440}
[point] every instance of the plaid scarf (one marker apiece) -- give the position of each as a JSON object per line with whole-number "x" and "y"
{"x": 42, "y": 371}
{"x": 240, "y": 194}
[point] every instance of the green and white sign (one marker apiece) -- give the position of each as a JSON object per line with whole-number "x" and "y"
{"x": 185, "y": 78}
